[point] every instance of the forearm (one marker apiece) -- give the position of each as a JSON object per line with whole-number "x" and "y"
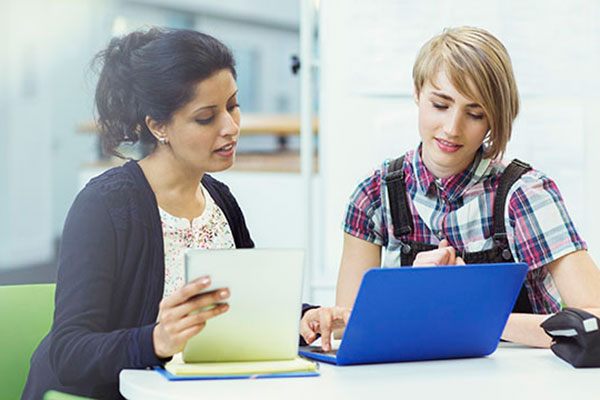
{"x": 80, "y": 358}
{"x": 525, "y": 329}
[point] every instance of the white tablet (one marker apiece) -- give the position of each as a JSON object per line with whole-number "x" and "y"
{"x": 263, "y": 319}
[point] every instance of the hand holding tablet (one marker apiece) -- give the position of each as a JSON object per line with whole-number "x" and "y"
{"x": 183, "y": 315}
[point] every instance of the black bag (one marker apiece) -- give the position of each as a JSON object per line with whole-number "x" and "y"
{"x": 576, "y": 337}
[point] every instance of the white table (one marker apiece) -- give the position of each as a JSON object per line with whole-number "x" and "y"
{"x": 512, "y": 372}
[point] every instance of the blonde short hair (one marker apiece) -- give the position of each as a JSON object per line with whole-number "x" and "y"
{"x": 479, "y": 67}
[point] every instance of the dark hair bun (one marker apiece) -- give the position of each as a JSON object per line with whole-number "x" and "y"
{"x": 151, "y": 73}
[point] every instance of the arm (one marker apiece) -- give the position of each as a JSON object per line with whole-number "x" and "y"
{"x": 357, "y": 257}
{"x": 90, "y": 343}
{"x": 577, "y": 279}
{"x": 83, "y": 351}
{"x": 363, "y": 237}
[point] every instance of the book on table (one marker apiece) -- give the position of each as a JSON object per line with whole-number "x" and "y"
{"x": 177, "y": 369}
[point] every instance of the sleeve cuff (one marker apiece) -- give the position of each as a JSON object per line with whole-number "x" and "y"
{"x": 148, "y": 356}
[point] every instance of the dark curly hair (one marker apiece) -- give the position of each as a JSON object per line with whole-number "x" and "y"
{"x": 151, "y": 73}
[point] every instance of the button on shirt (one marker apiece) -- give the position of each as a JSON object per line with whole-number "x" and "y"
{"x": 460, "y": 209}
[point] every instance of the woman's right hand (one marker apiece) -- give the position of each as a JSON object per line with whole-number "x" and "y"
{"x": 175, "y": 323}
{"x": 323, "y": 321}
{"x": 443, "y": 255}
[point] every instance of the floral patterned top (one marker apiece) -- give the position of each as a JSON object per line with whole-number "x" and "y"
{"x": 210, "y": 230}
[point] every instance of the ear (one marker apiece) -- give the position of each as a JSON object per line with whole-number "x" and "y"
{"x": 156, "y": 128}
{"x": 416, "y": 94}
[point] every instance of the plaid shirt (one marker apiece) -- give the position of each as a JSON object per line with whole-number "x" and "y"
{"x": 460, "y": 208}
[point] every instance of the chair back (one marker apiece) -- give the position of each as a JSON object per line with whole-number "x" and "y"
{"x": 26, "y": 313}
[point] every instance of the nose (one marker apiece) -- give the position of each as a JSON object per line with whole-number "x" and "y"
{"x": 230, "y": 125}
{"x": 452, "y": 123}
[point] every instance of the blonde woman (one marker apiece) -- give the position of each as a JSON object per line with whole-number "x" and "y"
{"x": 453, "y": 200}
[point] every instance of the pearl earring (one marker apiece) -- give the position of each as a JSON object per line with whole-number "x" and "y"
{"x": 162, "y": 140}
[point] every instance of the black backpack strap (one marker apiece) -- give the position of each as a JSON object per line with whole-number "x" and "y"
{"x": 512, "y": 173}
{"x": 401, "y": 215}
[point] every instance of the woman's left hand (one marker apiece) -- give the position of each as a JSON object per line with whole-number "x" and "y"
{"x": 177, "y": 322}
{"x": 443, "y": 255}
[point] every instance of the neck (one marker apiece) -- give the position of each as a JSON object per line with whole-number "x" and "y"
{"x": 444, "y": 171}
{"x": 168, "y": 178}
{"x": 441, "y": 171}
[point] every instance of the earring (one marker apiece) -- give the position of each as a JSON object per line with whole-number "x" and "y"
{"x": 162, "y": 140}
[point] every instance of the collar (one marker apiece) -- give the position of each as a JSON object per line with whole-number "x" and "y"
{"x": 453, "y": 187}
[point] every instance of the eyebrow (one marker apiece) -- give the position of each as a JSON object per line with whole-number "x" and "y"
{"x": 214, "y": 105}
{"x": 449, "y": 98}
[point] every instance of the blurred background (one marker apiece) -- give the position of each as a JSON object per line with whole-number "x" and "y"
{"x": 358, "y": 86}
{"x": 49, "y": 146}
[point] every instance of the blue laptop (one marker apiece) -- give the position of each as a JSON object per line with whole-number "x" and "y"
{"x": 427, "y": 313}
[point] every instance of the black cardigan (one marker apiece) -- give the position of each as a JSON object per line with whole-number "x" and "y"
{"x": 110, "y": 281}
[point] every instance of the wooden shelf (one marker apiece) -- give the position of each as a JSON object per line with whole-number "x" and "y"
{"x": 270, "y": 162}
{"x": 288, "y": 162}
{"x": 251, "y": 124}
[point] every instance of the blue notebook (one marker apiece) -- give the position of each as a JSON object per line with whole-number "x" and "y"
{"x": 178, "y": 370}
{"x": 173, "y": 377}
{"x": 426, "y": 313}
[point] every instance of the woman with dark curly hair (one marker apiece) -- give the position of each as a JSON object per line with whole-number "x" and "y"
{"x": 121, "y": 301}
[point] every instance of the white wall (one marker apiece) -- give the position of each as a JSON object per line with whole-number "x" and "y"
{"x": 277, "y": 87}
{"x": 26, "y": 233}
{"x": 5, "y": 118}
{"x": 280, "y": 13}
{"x": 366, "y": 110}
{"x": 47, "y": 89}
{"x": 77, "y": 31}
{"x": 273, "y": 207}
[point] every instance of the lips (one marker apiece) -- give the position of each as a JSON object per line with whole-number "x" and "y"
{"x": 227, "y": 150}
{"x": 447, "y": 146}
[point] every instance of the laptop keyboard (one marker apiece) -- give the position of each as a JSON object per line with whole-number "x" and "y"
{"x": 319, "y": 350}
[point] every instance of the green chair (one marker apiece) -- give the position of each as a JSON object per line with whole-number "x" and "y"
{"x": 54, "y": 395}
{"x": 26, "y": 316}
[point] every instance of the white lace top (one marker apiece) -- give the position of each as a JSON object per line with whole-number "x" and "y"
{"x": 207, "y": 231}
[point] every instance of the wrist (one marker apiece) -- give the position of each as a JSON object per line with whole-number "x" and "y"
{"x": 156, "y": 343}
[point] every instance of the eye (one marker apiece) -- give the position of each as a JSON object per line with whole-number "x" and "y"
{"x": 476, "y": 116}
{"x": 233, "y": 107}
{"x": 439, "y": 106}
{"x": 205, "y": 121}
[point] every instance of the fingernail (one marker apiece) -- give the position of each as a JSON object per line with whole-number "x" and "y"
{"x": 205, "y": 280}
{"x": 223, "y": 293}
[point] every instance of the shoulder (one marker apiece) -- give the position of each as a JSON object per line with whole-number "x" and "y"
{"x": 368, "y": 190}
{"x": 532, "y": 184}
{"x": 117, "y": 180}
{"x": 536, "y": 197}
{"x": 389, "y": 164}
{"x": 367, "y": 193}
{"x": 226, "y": 201}
{"x": 371, "y": 185}
{"x": 221, "y": 194}
{"x": 121, "y": 192}
{"x": 212, "y": 184}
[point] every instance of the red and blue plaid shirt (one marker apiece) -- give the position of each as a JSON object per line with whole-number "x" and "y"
{"x": 460, "y": 208}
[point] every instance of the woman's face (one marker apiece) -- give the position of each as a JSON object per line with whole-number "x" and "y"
{"x": 203, "y": 134}
{"x": 451, "y": 126}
